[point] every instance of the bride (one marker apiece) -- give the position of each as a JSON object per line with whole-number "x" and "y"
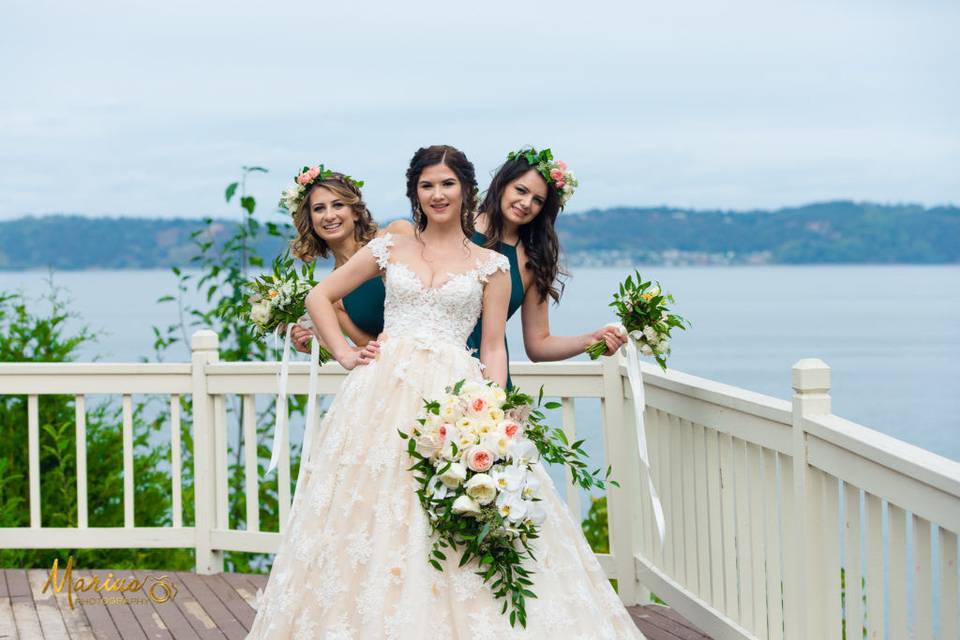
{"x": 353, "y": 561}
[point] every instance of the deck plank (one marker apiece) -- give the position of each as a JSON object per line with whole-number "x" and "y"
{"x": 224, "y": 619}
{"x": 171, "y": 616}
{"x": 54, "y": 628}
{"x": 78, "y": 627}
{"x": 196, "y": 616}
{"x": 242, "y": 586}
{"x": 101, "y": 623}
{"x": 8, "y": 625}
{"x": 142, "y": 609}
{"x": 232, "y": 600}
{"x": 3, "y": 583}
{"x": 122, "y": 613}
{"x": 652, "y": 620}
{"x": 25, "y": 617}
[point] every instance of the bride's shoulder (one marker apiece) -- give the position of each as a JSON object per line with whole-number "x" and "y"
{"x": 490, "y": 262}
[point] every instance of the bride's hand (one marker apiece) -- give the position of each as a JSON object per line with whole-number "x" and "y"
{"x": 360, "y": 355}
{"x": 612, "y": 336}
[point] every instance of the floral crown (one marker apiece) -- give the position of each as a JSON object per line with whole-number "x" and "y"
{"x": 292, "y": 198}
{"x": 555, "y": 172}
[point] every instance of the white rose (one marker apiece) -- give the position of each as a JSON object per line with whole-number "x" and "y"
{"x": 496, "y": 442}
{"x": 260, "y": 313}
{"x": 663, "y": 347}
{"x": 481, "y": 488}
{"x": 453, "y": 476}
{"x": 437, "y": 489}
{"x": 495, "y": 414}
{"x": 646, "y": 350}
{"x": 651, "y": 335}
{"x": 428, "y": 445}
{"x": 466, "y": 505}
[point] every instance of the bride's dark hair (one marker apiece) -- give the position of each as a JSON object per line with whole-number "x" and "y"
{"x": 539, "y": 236}
{"x": 457, "y": 162}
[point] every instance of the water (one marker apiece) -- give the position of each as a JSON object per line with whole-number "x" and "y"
{"x": 890, "y": 333}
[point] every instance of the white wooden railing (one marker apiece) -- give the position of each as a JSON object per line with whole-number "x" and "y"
{"x": 766, "y": 500}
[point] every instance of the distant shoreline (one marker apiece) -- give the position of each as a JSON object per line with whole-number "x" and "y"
{"x": 832, "y": 233}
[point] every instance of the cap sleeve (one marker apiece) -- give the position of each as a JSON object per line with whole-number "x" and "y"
{"x": 380, "y": 248}
{"x": 496, "y": 262}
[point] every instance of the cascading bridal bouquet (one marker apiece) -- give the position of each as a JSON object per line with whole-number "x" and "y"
{"x": 643, "y": 312}
{"x": 474, "y": 450}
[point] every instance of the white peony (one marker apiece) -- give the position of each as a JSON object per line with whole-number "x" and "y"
{"x": 494, "y": 414}
{"x": 454, "y": 475}
{"x": 260, "y": 313}
{"x": 466, "y": 505}
{"x": 481, "y": 488}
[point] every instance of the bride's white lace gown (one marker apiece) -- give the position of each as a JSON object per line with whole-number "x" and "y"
{"x": 353, "y": 561}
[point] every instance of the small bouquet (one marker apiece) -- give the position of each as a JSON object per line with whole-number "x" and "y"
{"x": 643, "y": 312}
{"x": 474, "y": 450}
{"x": 277, "y": 299}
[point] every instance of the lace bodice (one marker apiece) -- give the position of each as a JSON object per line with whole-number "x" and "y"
{"x": 445, "y": 313}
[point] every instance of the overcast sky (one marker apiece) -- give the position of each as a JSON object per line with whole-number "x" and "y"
{"x": 150, "y": 108}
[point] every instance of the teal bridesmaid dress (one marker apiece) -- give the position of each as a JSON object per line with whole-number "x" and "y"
{"x": 364, "y": 305}
{"x": 516, "y": 296}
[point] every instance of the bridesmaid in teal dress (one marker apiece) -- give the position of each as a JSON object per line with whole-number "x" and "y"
{"x": 331, "y": 217}
{"x": 517, "y": 218}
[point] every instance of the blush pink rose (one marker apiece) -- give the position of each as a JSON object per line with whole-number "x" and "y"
{"x": 479, "y": 459}
{"x": 562, "y": 165}
{"x": 560, "y": 184}
{"x": 478, "y": 405}
{"x": 556, "y": 174}
{"x": 303, "y": 179}
{"x": 313, "y": 173}
{"x": 511, "y": 429}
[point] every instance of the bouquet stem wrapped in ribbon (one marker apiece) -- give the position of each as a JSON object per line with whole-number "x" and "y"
{"x": 473, "y": 450}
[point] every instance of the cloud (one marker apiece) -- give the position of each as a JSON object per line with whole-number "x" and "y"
{"x": 134, "y": 109}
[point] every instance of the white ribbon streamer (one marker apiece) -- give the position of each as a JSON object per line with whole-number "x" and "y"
{"x": 280, "y": 427}
{"x": 311, "y": 406}
{"x": 635, "y": 377}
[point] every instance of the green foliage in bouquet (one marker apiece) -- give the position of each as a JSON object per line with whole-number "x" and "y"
{"x": 642, "y": 309}
{"x": 553, "y": 444}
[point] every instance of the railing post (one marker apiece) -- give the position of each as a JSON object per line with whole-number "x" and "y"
{"x": 204, "y": 346}
{"x": 804, "y": 587}
{"x": 623, "y": 501}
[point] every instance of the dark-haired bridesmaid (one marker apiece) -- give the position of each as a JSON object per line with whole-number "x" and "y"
{"x": 518, "y": 218}
{"x": 331, "y": 217}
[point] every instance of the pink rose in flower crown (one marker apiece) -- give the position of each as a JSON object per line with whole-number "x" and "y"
{"x": 313, "y": 173}
{"x": 556, "y": 174}
{"x": 303, "y": 179}
{"x": 562, "y": 165}
{"x": 478, "y": 458}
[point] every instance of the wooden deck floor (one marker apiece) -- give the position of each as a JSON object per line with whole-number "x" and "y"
{"x": 219, "y": 607}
